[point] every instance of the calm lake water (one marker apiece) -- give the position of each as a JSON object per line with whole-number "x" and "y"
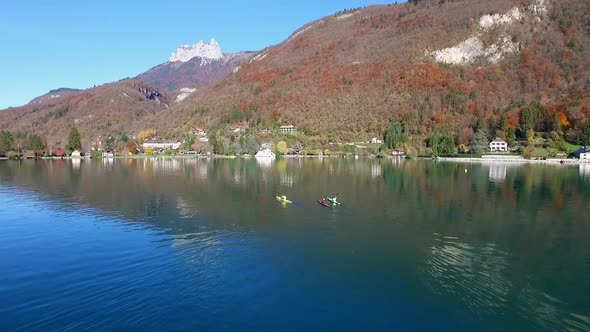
{"x": 204, "y": 245}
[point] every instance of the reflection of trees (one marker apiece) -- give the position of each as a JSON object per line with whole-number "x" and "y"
{"x": 499, "y": 243}
{"x": 493, "y": 244}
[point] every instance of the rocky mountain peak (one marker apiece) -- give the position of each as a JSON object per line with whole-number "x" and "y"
{"x": 208, "y": 51}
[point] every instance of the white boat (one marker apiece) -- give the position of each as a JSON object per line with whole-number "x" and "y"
{"x": 265, "y": 153}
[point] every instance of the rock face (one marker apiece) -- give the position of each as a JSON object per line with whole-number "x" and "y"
{"x": 491, "y": 25}
{"x": 194, "y": 65}
{"x": 207, "y": 52}
{"x": 184, "y": 92}
{"x": 149, "y": 93}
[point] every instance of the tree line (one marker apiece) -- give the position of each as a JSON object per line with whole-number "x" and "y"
{"x": 534, "y": 124}
{"x": 16, "y": 144}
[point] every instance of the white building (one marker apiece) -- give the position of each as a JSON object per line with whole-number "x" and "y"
{"x": 108, "y": 153}
{"x": 163, "y": 144}
{"x": 498, "y": 145}
{"x": 287, "y": 129}
{"x": 200, "y": 132}
{"x": 375, "y": 140}
{"x": 265, "y": 153}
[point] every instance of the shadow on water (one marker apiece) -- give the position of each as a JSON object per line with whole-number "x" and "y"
{"x": 205, "y": 243}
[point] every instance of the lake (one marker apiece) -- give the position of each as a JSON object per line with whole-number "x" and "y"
{"x": 202, "y": 244}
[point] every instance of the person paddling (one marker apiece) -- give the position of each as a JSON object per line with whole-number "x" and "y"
{"x": 335, "y": 199}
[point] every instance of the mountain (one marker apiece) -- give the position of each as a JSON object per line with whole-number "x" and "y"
{"x": 105, "y": 110}
{"x": 194, "y": 65}
{"x": 438, "y": 66}
{"x": 56, "y": 93}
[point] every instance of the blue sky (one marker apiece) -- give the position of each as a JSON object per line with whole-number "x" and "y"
{"x": 77, "y": 44}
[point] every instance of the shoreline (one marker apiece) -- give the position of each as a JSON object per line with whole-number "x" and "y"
{"x": 501, "y": 159}
{"x": 549, "y": 161}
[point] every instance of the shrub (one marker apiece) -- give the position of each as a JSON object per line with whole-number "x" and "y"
{"x": 282, "y": 147}
{"x": 148, "y": 152}
{"x": 96, "y": 155}
{"x": 168, "y": 152}
{"x": 12, "y": 155}
{"x": 145, "y": 135}
{"x": 327, "y": 152}
{"x": 200, "y": 111}
{"x": 561, "y": 146}
{"x": 311, "y": 152}
{"x": 347, "y": 148}
{"x": 257, "y": 89}
{"x": 61, "y": 112}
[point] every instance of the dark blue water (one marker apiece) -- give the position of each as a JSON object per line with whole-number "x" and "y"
{"x": 203, "y": 245}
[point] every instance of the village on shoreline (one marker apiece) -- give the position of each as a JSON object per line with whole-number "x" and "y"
{"x": 285, "y": 141}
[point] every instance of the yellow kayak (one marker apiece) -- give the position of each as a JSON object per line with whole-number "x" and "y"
{"x": 284, "y": 200}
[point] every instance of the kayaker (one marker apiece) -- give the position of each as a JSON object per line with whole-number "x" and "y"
{"x": 335, "y": 199}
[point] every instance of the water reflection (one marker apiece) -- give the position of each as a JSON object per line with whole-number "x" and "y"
{"x": 76, "y": 163}
{"x": 455, "y": 267}
{"x": 494, "y": 254}
{"x": 375, "y": 170}
{"x": 264, "y": 162}
{"x": 497, "y": 172}
{"x": 584, "y": 169}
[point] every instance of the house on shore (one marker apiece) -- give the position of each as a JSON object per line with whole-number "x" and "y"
{"x": 108, "y": 153}
{"x": 398, "y": 153}
{"x": 375, "y": 140}
{"x": 288, "y": 129}
{"x": 582, "y": 153}
{"x": 76, "y": 154}
{"x": 161, "y": 144}
{"x": 498, "y": 145}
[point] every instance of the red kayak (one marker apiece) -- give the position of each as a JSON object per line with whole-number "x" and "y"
{"x": 324, "y": 203}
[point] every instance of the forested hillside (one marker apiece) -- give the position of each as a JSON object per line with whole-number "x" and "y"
{"x": 450, "y": 69}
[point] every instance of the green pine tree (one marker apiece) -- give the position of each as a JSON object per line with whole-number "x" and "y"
{"x": 394, "y": 136}
{"x": 6, "y": 142}
{"x": 480, "y": 142}
{"x": 74, "y": 140}
{"x": 35, "y": 142}
{"x": 556, "y": 123}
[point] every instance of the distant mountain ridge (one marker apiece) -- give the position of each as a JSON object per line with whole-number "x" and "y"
{"x": 52, "y": 94}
